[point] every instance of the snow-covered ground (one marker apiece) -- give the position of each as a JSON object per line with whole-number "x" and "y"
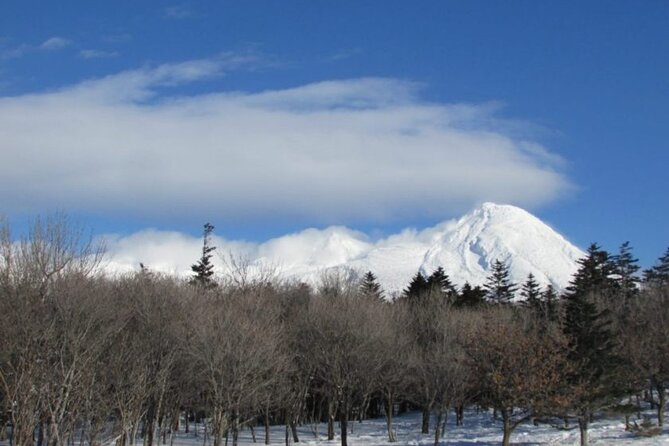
{"x": 478, "y": 429}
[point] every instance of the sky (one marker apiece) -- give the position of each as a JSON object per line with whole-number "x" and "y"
{"x": 266, "y": 118}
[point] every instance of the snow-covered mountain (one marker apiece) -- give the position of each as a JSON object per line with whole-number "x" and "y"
{"x": 465, "y": 248}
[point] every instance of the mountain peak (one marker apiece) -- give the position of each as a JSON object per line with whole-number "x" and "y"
{"x": 507, "y": 233}
{"x": 466, "y": 248}
{"x": 503, "y": 211}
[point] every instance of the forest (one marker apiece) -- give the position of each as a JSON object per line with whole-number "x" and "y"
{"x": 89, "y": 358}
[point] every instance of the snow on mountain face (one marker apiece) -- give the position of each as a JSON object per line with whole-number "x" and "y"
{"x": 465, "y": 248}
{"x": 507, "y": 233}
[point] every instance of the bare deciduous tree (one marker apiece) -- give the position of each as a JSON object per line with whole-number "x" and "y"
{"x": 236, "y": 345}
{"x": 518, "y": 369}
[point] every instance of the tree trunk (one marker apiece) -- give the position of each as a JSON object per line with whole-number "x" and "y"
{"x": 343, "y": 420}
{"x": 388, "y": 406}
{"x": 662, "y": 403}
{"x": 266, "y": 421}
{"x": 163, "y": 432}
{"x": 133, "y": 434}
{"x": 331, "y": 419}
{"x": 293, "y": 429}
{"x": 235, "y": 435}
{"x": 219, "y": 427}
{"x": 583, "y": 428}
{"x": 437, "y": 428}
{"x": 54, "y": 434}
{"x": 425, "y": 426}
{"x": 443, "y": 424}
{"x": 40, "y": 434}
{"x": 650, "y": 397}
{"x": 150, "y": 428}
{"x": 506, "y": 422}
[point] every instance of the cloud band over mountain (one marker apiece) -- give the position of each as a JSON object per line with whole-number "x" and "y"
{"x": 366, "y": 149}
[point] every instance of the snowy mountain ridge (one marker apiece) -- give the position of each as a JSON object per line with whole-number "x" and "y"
{"x": 465, "y": 248}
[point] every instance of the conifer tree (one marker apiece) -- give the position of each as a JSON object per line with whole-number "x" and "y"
{"x": 370, "y": 287}
{"x": 590, "y": 340}
{"x": 417, "y": 288}
{"x": 626, "y": 268}
{"x": 470, "y": 296}
{"x": 531, "y": 291}
{"x": 204, "y": 269}
{"x": 549, "y": 301}
{"x": 440, "y": 283}
{"x": 658, "y": 275}
{"x": 498, "y": 286}
{"x": 596, "y": 274}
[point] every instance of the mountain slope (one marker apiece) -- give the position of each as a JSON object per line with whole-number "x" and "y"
{"x": 465, "y": 248}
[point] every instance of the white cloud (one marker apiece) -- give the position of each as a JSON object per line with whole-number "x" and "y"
{"x": 55, "y": 43}
{"x": 15, "y": 52}
{"x": 178, "y": 12}
{"x": 51, "y": 44}
{"x": 97, "y": 54}
{"x": 328, "y": 152}
{"x": 345, "y": 54}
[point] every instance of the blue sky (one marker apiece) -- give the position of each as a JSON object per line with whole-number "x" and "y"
{"x": 270, "y": 117}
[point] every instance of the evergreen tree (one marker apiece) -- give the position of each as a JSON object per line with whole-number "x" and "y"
{"x": 470, "y": 296}
{"x": 590, "y": 340}
{"x": 596, "y": 274}
{"x": 204, "y": 269}
{"x": 531, "y": 292}
{"x": 498, "y": 286}
{"x": 370, "y": 288}
{"x": 417, "y": 288}
{"x": 658, "y": 275}
{"x": 440, "y": 283}
{"x": 549, "y": 301}
{"x": 626, "y": 268}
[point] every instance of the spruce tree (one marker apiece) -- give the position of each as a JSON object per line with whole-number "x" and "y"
{"x": 596, "y": 274}
{"x": 440, "y": 283}
{"x": 590, "y": 340}
{"x": 531, "y": 292}
{"x": 204, "y": 269}
{"x": 626, "y": 269}
{"x": 417, "y": 288}
{"x": 498, "y": 286}
{"x": 549, "y": 302}
{"x": 658, "y": 275}
{"x": 470, "y": 296}
{"x": 370, "y": 287}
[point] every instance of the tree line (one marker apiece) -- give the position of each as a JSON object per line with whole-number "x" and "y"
{"x": 139, "y": 357}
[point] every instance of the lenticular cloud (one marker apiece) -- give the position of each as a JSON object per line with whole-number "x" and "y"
{"x": 370, "y": 149}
